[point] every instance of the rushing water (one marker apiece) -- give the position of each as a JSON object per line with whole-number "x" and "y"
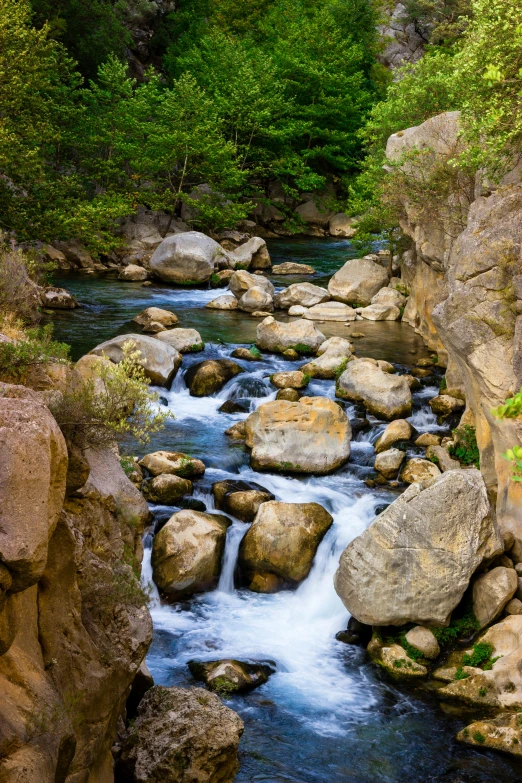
{"x": 326, "y": 715}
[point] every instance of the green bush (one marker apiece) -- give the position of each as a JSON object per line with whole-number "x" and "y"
{"x": 35, "y": 348}
{"x": 465, "y": 448}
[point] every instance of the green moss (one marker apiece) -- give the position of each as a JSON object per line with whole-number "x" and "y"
{"x": 462, "y": 626}
{"x": 128, "y": 465}
{"x": 254, "y": 350}
{"x": 412, "y": 652}
{"x": 482, "y": 692}
{"x": 460, "y": 674}
{"x": 302, "y": 349}
{"x": 443, "y": 384}
{"x": 478, "y": 737}
{"x": 341, "y": 368}
{"x": 215, "y": 281}
{"x": 197, "y": 347}
{"x": 481, "y": 655}
{"x": 465, "y": 448}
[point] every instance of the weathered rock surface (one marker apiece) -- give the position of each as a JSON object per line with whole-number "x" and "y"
{"x": 386, "y": 396}
{"x": 444, "y": 405}
{"x": 400, "y": 429}
{"x": 160, "y": 362}
{"x": 58, "y": 299}
{"x": 252, "y": 254}
{"x": 230, "y": 676}
{"x": 441, "y": 457}
{"x": 379, "y": 312}
{"x": 133, "y": 273}
{"x": 223, "y": 302}
{"x": 415, "y": 561}
{"x": 283, "y": 540}
{"x": 313, "y": 214}
{"x": 166, "y": 489}
{"x": 333, "y": 356}
{"x": 357, "y": 281}
{"x": 181, "y": 735}
{"x": 305, "y": 294}
{"x": 183, "y": 340}
{"x": 272, "y": 335}
{"x": 342, "y": 225}
{"x": 241, "y": 499}
{"x": 491, "y": 592}
{"x": 174, "y": 462}
{"x": 389, "y": 296}
{"x": 241, "y": 281}
{"x": 330, "y": 311}
{"x": 256, "y": 299}
{"x": 187, "y": 553}
{"x": 208, "y": 377}
{"x": 291, "y": 268}
{"x": 419, "y": 470}
{"x": 309, "y": 436}
{"x": 186, "y": 258}
{"x": 388, "y": 462}
{"x": 293, "y": 379}
{"x": 424, "y": 641}
{"x": 155, "y": 315}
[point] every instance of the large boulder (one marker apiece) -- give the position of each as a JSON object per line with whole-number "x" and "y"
{"x": 332, "y": 357}
{"x": 155, "y": 315}
{"x": 186, "y": 258}
{"x": 397, "y": 430}
{"x": 252, "y": 254}
{"x": 389, "y": 296}
{"x": 256, "y": 299}
{"x": 160, "y": 362}
{"x": 181, "y": 735}
{"x": 166, "y": 489}
{"x": 491, "y": 592}
{"x": 305, "y": 294}
{"x": 388, "y": 462}
{"x": 230, "y": 676}
{"x": 384, "y": 395}
{"x": 419, "y": 470}
{"x": 292, "y": 379}
{"x": 133, "y": 273}
{"x": 415, "y": 561}
{"x": 309, "y": 436}
{"x": 314, "y": 215}
{"x": 240, "y": 499}
{"x": 291, "y": 268}
{"x": 283, "y": 540}
{"x": 209, "y": 377}
{"x": 379, "y": 312}
{"x": 272, "y": 335}
{"x": 357, "y": 281}
{"x": 58, "y": 299}
{"x": 187, "y": 553}
{"x": 223, "y": 302}
{"x": 173, "y": 462}
{"x": 241, "y": 281}
{"x": 183, "y": 340}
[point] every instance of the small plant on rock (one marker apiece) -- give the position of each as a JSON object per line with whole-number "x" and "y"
{"x": 465, "y": 448}
{"x": 34, "y": 347}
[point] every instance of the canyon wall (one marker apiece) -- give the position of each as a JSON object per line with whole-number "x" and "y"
{"x": 464, "y": 273}
{"x": 74, "y": 625}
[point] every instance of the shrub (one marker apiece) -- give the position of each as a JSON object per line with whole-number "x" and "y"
{"x": 481, "y": 656}
{"x": 113, "y": 404}
{"x": 18, "y": 293}
{"x": 465, "y": 448}
{"x": 461, "y": 626}
{"x": 35, "y": 348}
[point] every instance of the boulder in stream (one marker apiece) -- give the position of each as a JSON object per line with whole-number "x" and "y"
{"x": 181, "y": 735}
{"x": 332, "y": 357}
{"x": 383, "y": 394}
{"x": 187, "y": 553}
{"x": 223, "y": 302}
{"x": 174, "y": 462}
{"x": 230, "y": 676}
{"x": 256, "y": 299}
{"x": 293, "y": 379}
{"x": 166, "y": 489}
{"x": 415, "y": 561}
{"x": 283, "y": 540}
{"x": 188, "y": 258}
{"x": 357, "y": 281}
{"x": 183, "y": 340}
{"x": 240, "y": 499}
{"x": 155, "y": 315}
{"x": 241, "y": 281}
{"x": 160, "y": 361}
{"x": 397, "y": 430}
{"x": 309, "y": 436}
{"x": 272, "y": 335}
{"x": 291, "y": 268}
{"x": 305, "y": 294}
{"x": 209, "y": 377}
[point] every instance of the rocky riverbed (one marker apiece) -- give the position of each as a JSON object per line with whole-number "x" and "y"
{"x": 325, "y": 713}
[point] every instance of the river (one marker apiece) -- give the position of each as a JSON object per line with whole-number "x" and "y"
{"x": 327, "y": 715}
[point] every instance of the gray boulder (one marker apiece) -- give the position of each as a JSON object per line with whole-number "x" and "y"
{"x": 357, "y": 281}
{"x": 183, "y": 340}
{"x": 305, "y": 294}
{"x": 241, "y": 281}
{"x": 383, "y": 394}
{"x": 186, "y": 258}
{"x": 415, "y": 561}
{"x": 160, "y": 362}
{"x": 272, "y": 335}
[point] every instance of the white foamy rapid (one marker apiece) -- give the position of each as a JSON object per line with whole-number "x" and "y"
{"x": 295, "y": 629}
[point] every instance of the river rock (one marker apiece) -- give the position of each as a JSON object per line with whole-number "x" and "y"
{"x": 428, "y": 439}
{"x": 173, "y": 462}
{"x": 160, "y": 362}
{"x": 379, "y": 312}
{"x": 389, "y": 296}
{"x": 384, "y": 395}
{"x": 420, "y": 470}
{"x": 272, "y": 335}
{"x": 414, "y": 563}
{"x": 502, "y": 733}
{"x": 330, "y": 311}
{"x": 247, "y": 354}
{"x": 444, "y": 405}
{"x": 357, "y": 281}
{"x": 291, "y": 268}
{"x": 290, "y": 395}
{"x": 186, "y": 258}
{"x": 166, "y": 489}
{"x": 424, "y": 641}
{"x": 56, "y": 298}
{"x": 297, "y": 310}
{"x": 237, "y": 431}
{"x": 208, "y": 377}
{"x": 155, "y": 315}
{"x": 491, "y": 592}
{"x": 294, "y": 379}
{"x": 313, "y": 214}
{"x": 230, "y": 676}
{"x": 132, "y": 273}
{"x": 223, "y": 302}
{"x": 252, "y": 254}
{"x": 235, "y": 406}
{"x": 187, "y": 553}
{"x": 309, "y": 436}
{"x": 256, "y": 299}
{"x": 183, "y": 340}
{"x": 181, "y": 735}
{"x": 241, "y": 499}
{"x": 441, "y": 457}
{"x": 394, "y": 659}
{"x": 304, "y": 294}
{"x": 241, "y": 281}
{"x": 333, "y": 356}
{"x": 397, "y": 430}
{"x": 341, "y": 225}
{"x": 388, "y": 463}
{"x": 283, "y": 540}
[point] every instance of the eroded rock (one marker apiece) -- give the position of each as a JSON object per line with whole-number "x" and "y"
{"x": 160, "y": 362}
{"x": 357, "y": 281}
{"x": 208, "y": 377}
{"x": 384, "y": 395}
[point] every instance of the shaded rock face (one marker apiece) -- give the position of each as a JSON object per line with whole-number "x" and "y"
{"x": 187, "y": 553}
{"x": 208, "y": 377}
{"x": 80, "y": 624}
{"x": 464, "y": 288}
{"x": 230, "y": 676}
{"x": 186, "y": 258}
{"x": 414, "y": 563}
{"x": 309, "y": 436}
{"x": 491, "y": 592}
{"x": 357, "y": 281}
{"x": 160, "y": 362}
{"x": 384, "y": 395}
{"x": 181, "y": 736}
{"x": 283, "y": 540}
{"x": 272, "y": 335}
{"x": 333, "y": 356}
{"x": 166, "y": 489}
{"x": 241, "y": 499}
{"x": 58, "y": 299}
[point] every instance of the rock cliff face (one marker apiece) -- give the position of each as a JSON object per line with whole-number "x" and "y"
{"x": 465, "y": 277}
{"x": 74, "y": 626}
